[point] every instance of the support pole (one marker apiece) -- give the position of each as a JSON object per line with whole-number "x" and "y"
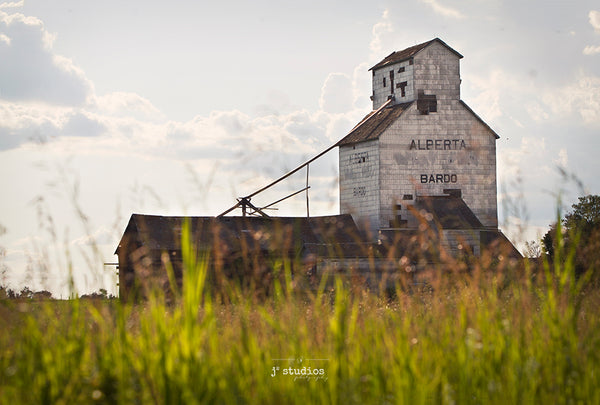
{"x": 307, "y": 187}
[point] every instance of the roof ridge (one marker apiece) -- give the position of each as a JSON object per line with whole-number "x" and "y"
{"x": 407, "y": 53}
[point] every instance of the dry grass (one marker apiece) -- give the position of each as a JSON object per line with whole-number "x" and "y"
{"x": 495, "y": 334}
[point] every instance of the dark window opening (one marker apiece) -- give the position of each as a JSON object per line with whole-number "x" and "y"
{"x": 401, "y": 69}
{"x": 402, "y": 87}
{"x": 407, "y": 197}
{"x": 392, "y": 81}
{"x": 410, "y": 61}
{"x": 384, "y": 82}
{"x": 426, "y": 103}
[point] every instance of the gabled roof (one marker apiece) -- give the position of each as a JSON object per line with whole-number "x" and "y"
{"x": 479, "y": 119}
{"x": 374, "y": 123}
{"x": 495, "y": 240}
{"x": 408, "y": 53}
{"x": 449, "y": 212}
{"x": 289, "y": 234}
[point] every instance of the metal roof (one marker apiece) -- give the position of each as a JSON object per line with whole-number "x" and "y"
{"x": 283, "y": 234}
{"x": 408, "y": 53}
{"x": 374, "y": 123}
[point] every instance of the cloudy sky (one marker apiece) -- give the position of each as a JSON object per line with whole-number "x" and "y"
{"x": 175, "y": 108}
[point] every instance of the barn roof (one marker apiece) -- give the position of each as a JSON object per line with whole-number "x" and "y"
{"x": 374, "y": 123}
{"x": 283, "y": 234}
{"x": 408, "y": 53}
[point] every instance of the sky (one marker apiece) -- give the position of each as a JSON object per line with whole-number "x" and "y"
{"x": 176, "y": 108}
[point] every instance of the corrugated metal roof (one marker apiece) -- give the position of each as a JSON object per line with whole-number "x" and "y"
{"x": 408, "y": 53}
{"x": 374, "y": 123}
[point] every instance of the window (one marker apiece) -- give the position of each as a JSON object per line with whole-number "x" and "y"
{"x": 401, "y": 69}
{"x": 392, "y": 81}
{"x": 402, "y": 87}
{"x": 426, "y": 103}
{"x": 384, "y": 82}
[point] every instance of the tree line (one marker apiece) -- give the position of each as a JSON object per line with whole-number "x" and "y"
{"x": 578, "y": 233}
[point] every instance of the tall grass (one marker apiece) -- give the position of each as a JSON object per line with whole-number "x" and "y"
{"x": 511, "y": 335}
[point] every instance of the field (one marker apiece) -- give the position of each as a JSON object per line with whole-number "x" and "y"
{"x": 489, "y": 334}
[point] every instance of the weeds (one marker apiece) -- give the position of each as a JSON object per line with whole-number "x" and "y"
{"x": 500, "y": 336}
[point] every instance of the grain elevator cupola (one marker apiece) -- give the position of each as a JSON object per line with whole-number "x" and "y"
{"x": 428, "y": 71}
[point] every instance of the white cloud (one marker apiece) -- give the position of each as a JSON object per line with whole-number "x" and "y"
{"x": 380, "y": 30}
{"x": 30, "y": 71}
{"x": 490, "y": 90}
{"x": 443, "y": 10}
{"x": 361, "y": 87}
{"x": 580, "y": 98}
{"x": 123, "y": 104}
{"x": 336, "y": 94}
{"x": 562, "y": 159}
{"x": 537, "y": 112}
{"x": 594, "y": 17}
{"x": 82, "y": 124}
{"x": 12, "y": 4}
{"x": 591, "y": 50}
{"x": 101, "y": 236}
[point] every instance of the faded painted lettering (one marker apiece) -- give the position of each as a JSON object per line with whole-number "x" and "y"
{"x": 359, "y": 191}
{"x": 359, "y": 157}
{"x": 439, "y": 178}
{"x": 437, "y": 144}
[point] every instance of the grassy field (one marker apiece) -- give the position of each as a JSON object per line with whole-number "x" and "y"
{"x": 488, "y": 336}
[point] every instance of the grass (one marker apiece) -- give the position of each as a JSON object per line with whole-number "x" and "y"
{"x": 484, "y": 337}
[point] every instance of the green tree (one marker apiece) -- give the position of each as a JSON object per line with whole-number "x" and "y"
{"x": 581, "y": 231}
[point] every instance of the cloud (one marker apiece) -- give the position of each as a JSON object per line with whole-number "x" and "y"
{"x": 580, "y": 98}
{"x": 591, "y": 50}
{"x": 490, "y": 90}
{"x": 101, "y": 236}
{"x": 336, "y": 94}
{"x": 30, "y": 71}
{"x": 594, "y": 17}
{"x": 82, "y": 124}
{"x": 562, "y": 159}
{"x": 443, "y": 10}
{"x": 24, "y": 123}
{"x": 12, "y": 4}
{"x": 380, "y": 30}
{"x": 124, "y": 104}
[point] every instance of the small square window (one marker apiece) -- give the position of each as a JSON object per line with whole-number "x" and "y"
{"x": 401, "y": 69}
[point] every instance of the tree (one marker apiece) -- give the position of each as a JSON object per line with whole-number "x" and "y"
{"x": 533, "y": 250}
{"x": 585, "y": 215}
{"x": 580, "y": 231}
